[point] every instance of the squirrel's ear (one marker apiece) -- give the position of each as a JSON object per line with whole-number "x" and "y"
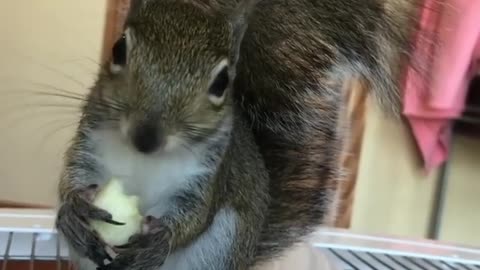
{"x": 136, "y": 4}
{"x": 134, "y": 8}
{"x": 207, "y": 6}
{"x": 239, "y": 23}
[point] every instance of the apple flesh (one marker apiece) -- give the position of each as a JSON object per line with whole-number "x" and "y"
{"x": 123, "y": 208}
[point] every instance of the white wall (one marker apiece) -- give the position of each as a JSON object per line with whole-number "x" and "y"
{"x": 45, "y": 42}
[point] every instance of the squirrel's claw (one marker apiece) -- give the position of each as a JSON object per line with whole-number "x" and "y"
{"x": 121, "y": 262}
{"x": 73, "y": 222}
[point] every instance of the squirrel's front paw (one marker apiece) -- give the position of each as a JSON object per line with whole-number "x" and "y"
{"x": 147, "y": 250}
{"x": 73, "y": 223}
{"x": 154, "y": 233}
{"x": 125, "y": 260}
{"x": 138, "y": 259}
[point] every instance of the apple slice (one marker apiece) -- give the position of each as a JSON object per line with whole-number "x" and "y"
{"x": 123, "y": 208}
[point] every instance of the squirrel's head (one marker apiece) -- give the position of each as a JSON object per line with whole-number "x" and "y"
{"x": 168, "y": 80}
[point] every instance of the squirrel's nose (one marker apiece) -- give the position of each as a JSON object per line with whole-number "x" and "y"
{"x": 146, "y": 138}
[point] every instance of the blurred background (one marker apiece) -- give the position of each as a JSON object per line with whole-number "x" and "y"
{"x": 46, "y": 47}
{"x": 52, "y": 48}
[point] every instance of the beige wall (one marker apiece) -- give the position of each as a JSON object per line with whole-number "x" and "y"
{"x": 42, "y": 42}
{"x": 461, "y": 222}
{"x": 394, "y": 195}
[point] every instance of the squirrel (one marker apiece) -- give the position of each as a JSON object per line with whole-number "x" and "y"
{"x": 224, "y": 118}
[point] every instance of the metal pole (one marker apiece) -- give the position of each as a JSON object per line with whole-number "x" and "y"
{"x": 440, "y": 197}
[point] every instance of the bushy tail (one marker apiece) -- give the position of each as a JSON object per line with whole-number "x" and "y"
{"x": 396, "y": 53}
{"x": 294, "y": 59}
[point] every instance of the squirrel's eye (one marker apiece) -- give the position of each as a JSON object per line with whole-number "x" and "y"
{"x": 119, "y": 51}
{"x": 219, "y": 84}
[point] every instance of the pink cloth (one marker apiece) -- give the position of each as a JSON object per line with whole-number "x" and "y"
{"x": 430, "y": 106}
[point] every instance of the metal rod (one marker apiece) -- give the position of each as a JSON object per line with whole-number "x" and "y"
{"x": 361, "y": 259}
{"x": 431, "y": 264}
{"x": 464, "y": 266}
{"x": 448, "y": 266}
{"x": 396, "y": 261}
{"x": 7, "y": 251}
{"x": 415, "y": 263}
{"x": 59, "y": 263}
{"x": 379, "y": 261}
{"x": 339, "y": 256}
{"x": 32, "y": 253}
{"x": 439, "y": 198}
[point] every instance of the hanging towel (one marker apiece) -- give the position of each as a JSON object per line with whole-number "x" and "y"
{"x": 431, "y": 105}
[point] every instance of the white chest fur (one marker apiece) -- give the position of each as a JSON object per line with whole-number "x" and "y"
{"x": 154, "y": 178}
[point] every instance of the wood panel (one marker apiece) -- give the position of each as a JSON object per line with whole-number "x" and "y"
{"x": 10, "y": 204}
{"x": 355, "y": 116}
{"x": 117, "y": 11}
